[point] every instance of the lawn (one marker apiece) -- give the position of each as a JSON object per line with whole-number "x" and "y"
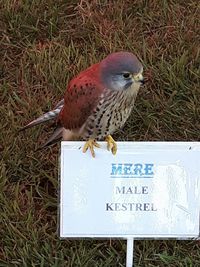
{"x": 43, "y": 45}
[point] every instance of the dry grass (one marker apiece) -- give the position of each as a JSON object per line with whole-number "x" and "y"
{"x": 44, "y": 44}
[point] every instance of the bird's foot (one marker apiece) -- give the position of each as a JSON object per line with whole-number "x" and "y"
{"x": 90, "y": 144}
{"x": 111, "y": 144}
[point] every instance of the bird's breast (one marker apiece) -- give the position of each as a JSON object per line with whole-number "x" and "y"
{"x": 112, "y": 111}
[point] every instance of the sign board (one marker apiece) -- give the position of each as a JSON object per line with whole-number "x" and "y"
{"x": 149, "y": 189}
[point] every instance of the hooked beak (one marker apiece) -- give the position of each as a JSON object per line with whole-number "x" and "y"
{"x": 139, "y": 78}
{"x": 142, "y": 81}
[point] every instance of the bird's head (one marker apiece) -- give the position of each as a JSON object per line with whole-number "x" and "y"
{"x": 121, "y": 70}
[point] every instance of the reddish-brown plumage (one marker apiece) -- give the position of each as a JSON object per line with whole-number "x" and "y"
{"x": 97, "y": 102}
{"x": 81, "y": 98}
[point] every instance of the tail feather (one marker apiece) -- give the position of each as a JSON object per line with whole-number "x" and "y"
{"x": 51, "y": 115}
{"x": 58, "y": 134}
{"x": 55, "y": 137}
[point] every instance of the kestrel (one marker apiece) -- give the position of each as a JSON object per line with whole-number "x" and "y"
{"x": 97, "y": 102}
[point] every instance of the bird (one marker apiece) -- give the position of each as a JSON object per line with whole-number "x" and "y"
{"x": 97, "y": 102}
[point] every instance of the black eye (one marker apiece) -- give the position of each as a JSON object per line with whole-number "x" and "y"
{"x": 126, "y": 75}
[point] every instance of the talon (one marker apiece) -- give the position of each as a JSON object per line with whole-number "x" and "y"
{"x": 90, "y": 144}
{"x": 111, "y": 144}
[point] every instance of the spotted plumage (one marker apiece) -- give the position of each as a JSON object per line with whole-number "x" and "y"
{"x": 98, "y": 101}
{"x": 110, "y": 114}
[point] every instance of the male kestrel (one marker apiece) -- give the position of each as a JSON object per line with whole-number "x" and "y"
{"x": 97, "y": 102}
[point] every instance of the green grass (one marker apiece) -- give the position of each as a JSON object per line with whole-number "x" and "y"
{"x": 43, "y": 45}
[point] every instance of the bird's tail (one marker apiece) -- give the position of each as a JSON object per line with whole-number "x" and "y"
{"x": 54, "y": 138}
{"x": 59, "y": 134}
{"x": 51, "y": 115}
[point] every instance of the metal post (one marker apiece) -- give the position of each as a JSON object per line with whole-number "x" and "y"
{"x": 129, "y": 252}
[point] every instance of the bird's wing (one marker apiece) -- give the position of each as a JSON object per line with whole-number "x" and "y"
{"x": 81, "y": 98}
{"x": 59, "y": 104}
{"x": 50, "y": 115}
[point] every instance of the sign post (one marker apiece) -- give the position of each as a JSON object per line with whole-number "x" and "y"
{"x": 147, "y": 190}
{"x": 129, "y": 252}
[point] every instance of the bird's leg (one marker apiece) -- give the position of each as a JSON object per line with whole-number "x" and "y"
{"x": 91, "y": 143}
{"x": 111, "y": 144}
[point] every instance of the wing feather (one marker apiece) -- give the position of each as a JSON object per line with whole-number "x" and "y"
{"x": 81, "y": 98}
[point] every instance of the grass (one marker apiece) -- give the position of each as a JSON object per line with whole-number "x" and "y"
{"x": 43, "y": 45}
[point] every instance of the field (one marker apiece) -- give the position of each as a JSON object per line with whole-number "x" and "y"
{"x": 45, "y": 43}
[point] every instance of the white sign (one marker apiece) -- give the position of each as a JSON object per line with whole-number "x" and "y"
{"x": 149, "y": 189}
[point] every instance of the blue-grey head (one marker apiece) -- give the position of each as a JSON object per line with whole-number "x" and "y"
{"x": 121, "y": 70}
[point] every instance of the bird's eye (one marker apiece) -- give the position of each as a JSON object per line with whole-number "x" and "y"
{"x": 126, "y": 75}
